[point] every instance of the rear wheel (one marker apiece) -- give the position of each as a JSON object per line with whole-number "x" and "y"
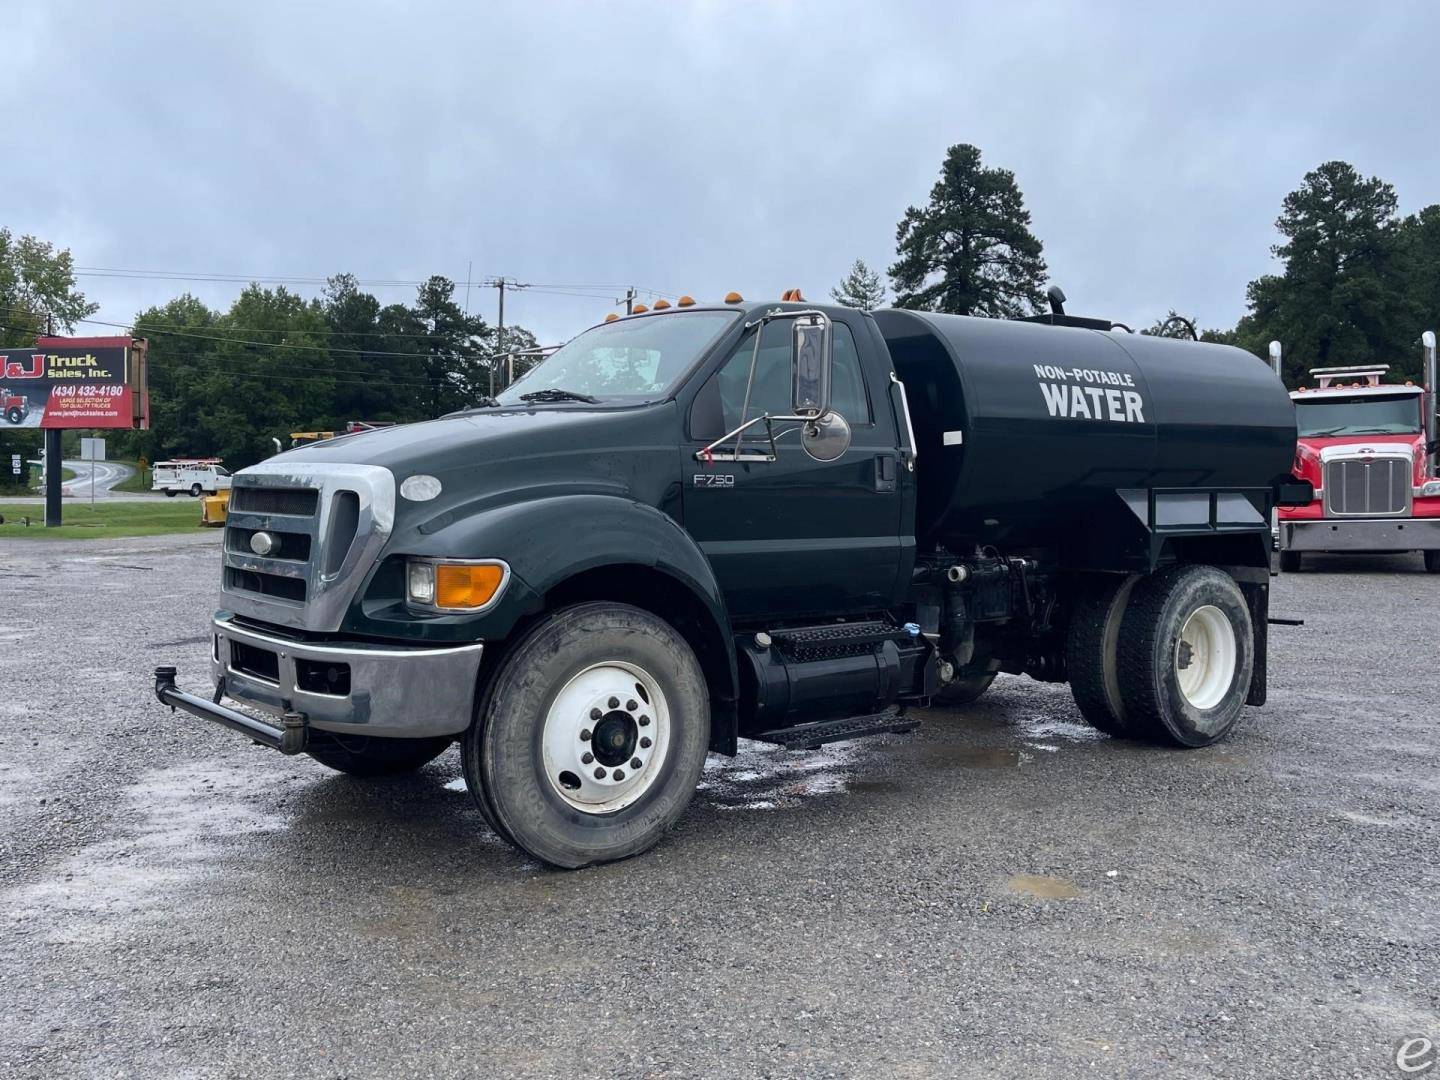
{"x": 1090, "y": 652}
{"x": 195, "y": 490}
{"x": 369, "y": 755}
{"x": 592, "y": 735}
{"x": 1290, "y": 562}
{"x": 1185, "y": 656}
{"x": 170, "y": 493}
{"x": 1432, "y": 561}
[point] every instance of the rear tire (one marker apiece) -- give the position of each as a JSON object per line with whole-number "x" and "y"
{"x": 1290, "y": 562}
{"x": 963, "y": 691}
{"x": 1091, "y": 652}
{"x": 170, "y": 493}
{"x": 370, "y": 756}
{"x": 1432, "y": 562}
{"x": 603, "y": 681}
{"x": 195, "y": 490}
{"x": 1185, "y": 656}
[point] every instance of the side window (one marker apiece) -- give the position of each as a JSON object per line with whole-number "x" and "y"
{"x": 719, "y": 403}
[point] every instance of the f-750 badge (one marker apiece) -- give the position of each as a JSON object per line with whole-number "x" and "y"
{"x": 715, "y": 480}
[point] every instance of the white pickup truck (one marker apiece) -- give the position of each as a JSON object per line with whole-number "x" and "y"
{"x": 201, "y": 476}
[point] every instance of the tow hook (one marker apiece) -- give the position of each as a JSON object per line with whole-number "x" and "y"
{"x": 291, "y": 737}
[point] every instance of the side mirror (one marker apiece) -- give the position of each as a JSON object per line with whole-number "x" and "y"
{"x": 811, "y": 354}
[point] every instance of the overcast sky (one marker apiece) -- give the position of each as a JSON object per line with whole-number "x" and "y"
{"x": 690, "y": 147}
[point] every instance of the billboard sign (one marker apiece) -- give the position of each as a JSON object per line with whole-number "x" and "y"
{"x": 75, "y": 383}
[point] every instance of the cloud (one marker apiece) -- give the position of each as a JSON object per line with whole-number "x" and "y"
{"x": 691, "y": 148}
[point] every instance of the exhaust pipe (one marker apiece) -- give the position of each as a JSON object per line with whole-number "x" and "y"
{"x": 1275, "y": 358}
{"x": 1427, "y": 342}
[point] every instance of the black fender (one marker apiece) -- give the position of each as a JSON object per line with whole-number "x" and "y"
{"x": 550, "y": 541}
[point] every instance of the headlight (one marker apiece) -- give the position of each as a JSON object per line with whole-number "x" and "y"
{"x": 1429, "y": 488}
{"x": 471, "y": 585}
{"x": 419, "y": 488}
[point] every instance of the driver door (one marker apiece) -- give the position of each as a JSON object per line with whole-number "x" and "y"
{"x": 795, "y": 537}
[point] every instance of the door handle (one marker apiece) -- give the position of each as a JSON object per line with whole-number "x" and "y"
{"x": 884, "y": 472}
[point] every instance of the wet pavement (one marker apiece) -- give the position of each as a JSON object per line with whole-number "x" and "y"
{"x": 1003, "y": 892}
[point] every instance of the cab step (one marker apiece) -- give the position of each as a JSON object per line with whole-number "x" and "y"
{"x": 839, "y": 634}
{"x": 813, "y": 735}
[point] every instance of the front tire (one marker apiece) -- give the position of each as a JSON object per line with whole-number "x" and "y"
{"x": 14, "y": 415}
{"x": 592, "y": 736}
{"x": 1185, "y": 656}
{"x": 1290, "y": 562}
{"x": 370, "y": 756}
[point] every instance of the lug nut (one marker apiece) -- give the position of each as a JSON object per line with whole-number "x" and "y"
{"x": 635, "y": 763}
{"x": 619, "y": 774}
{"x": 596, "y": 714}
{"x": 614, "y": 702}
{"x": 599, "y": 774}
{"x": 585, "y": 734}
{"x": 644, "y": 721}
{"x": 645, "y": 742}
{"x": 631, "y": 705}
{"x": 587, "y": 757}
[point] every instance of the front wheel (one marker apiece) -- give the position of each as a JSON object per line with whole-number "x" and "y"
{"x": 1432, "y": 561}
{"x": 592, "y": 736}
{"x": 1185, "y": 656}
{"x": 14, "y": 415}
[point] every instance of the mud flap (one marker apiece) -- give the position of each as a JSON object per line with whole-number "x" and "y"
{"x": 1257, "y": 598}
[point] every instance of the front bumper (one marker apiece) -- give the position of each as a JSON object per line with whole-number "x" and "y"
{"x": 1360, "y": 534}
{"x": 392, "y": 691}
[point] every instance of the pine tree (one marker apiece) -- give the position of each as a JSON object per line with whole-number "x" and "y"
{"x": 1344, "y": 296}
{"x": 861, "y": 288}
{"x": 970, "y": 250}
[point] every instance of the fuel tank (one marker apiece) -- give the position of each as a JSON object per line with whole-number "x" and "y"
{"x": 1027, "y": 432}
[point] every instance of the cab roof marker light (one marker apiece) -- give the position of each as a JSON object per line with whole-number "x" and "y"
{"x": 685, "y": 301}
{"x": 733, "y": 297}
{"x": 611, "y": 317}
{"x": 640, "y": 309}
{"x": 661, "y": 304}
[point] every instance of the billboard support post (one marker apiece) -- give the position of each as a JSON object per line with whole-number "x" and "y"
{"x": 53, "y": 474}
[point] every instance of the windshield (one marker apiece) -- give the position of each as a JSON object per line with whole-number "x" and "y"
{"x": 631, "y": 359}
{"x": 1358, "y": 416}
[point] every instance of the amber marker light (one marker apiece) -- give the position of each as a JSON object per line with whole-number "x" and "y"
{"x": 733, "y": 298}
{"x": 640, "y": 309}
{"x": 611, "y": 317}
{"x": 685, "y": 301}
{"x": 661, "y": 304}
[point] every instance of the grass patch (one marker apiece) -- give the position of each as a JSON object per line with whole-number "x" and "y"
{"x": 136, "y": 482}
{"x": 104, "y": 521}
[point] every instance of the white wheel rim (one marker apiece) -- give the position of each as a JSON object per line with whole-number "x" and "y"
{"x": 1205, "y": 657}
{"x": 615, "y": 715}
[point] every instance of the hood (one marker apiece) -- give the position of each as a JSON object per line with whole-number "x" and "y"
{"x": 1312, "y": 452}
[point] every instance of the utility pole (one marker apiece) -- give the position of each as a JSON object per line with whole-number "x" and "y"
{"x": 629, "y": 300}
{"x": 503, "y": 283}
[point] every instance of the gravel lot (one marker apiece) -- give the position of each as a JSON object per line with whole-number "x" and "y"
{"x": 1003, "y": 892}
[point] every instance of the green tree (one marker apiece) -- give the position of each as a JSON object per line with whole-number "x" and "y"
{"x": 1420, "y": 245}
{"x": 455, "y": 369}
{"x": 37, "y": 285}
{"x": 969, "y": 251}
{"x": 1342, "y": 297}
{"x": 860, "y": 288}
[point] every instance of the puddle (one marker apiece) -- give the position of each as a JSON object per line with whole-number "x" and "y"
{"x": 184, "y": 818}
{"x": 765, "y": 777}
{"x": 1043, "y": 887}
{"x": 949, "y": 755}
{"x": 1048, "y": 734}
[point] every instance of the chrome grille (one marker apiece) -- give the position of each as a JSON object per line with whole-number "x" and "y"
{"x": 327, "y": 522}
{"x": 1368, "y": 486}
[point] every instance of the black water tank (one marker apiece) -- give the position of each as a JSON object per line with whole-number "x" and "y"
{"x": 1026, "y": 431}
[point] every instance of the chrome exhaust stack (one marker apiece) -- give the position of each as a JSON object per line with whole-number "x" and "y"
{"x": 1275, "y": 359}
{"x": 1427, "y": 342}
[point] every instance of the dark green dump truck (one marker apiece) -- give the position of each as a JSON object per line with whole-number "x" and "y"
{"x": 772, "y": 521}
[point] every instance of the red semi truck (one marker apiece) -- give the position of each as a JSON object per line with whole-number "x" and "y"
{"x": 1369, "y": 449}
{"x": 13, "y": 407}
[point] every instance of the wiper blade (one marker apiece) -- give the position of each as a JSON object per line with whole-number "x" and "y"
{"x": 554, "y": 393}
{"x": 483, "y": 402}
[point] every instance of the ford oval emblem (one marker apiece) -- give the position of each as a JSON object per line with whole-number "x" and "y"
{"x": 262, "y": 543}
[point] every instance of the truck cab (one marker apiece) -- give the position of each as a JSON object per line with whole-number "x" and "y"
{"x": 14, "y": 407}
{"x": 778, "y": 521}
{"x": 1367, "y": 447}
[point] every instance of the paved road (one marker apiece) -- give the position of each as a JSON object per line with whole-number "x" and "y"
{"x": 106, "y": 475}
{"x": 1003, "y": 893}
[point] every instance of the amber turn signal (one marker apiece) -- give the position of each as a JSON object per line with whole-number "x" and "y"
{"x": 460, "y": 586}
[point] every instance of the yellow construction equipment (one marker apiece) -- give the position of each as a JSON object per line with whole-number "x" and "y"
{"x": 213, "y": 508}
